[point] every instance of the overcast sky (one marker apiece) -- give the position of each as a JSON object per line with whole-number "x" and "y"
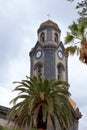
{"x": 19, "y": 21}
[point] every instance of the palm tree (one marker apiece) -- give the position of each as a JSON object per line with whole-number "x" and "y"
{"x": 9, "y": 128}
{"x": 41, "y": 101}
{"x": 76, "y": 40}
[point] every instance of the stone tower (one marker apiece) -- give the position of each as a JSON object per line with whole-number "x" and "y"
{"x": 48, "y": 56}
{"x": 48, "y": 59}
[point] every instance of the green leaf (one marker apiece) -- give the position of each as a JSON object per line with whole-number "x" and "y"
{"x": 74, "y": 29}
{"x": 69, "y": 38}
{"x": 82, "y": 27}
{"x": 50, "y": 94}
{"x": 71, "y": 50}
{"x": 44, "y": 112}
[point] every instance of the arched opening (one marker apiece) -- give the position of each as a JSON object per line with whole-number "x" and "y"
{"x": 38, "y": 68}
{"x": 60, "y": 69}
{"x": 56, "y": 37}
{"x": 42, "y": 37}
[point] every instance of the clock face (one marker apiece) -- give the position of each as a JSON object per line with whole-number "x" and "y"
{"x": 60, "y": 54}
{"x": 38, "y": 54}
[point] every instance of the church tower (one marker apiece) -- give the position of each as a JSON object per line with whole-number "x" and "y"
{"x": 48, "y": 57}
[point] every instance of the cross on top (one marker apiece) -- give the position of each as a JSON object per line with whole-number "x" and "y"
{"x": 48, "y": 15}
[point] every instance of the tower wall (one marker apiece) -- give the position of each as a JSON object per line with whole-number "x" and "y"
{"x": 49, "y": 62}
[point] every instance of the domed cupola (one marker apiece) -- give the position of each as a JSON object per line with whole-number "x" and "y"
{"x": 49, "y": 33}
{"x": 49, "y": 23}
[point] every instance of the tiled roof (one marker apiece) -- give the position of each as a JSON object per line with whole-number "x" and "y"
{"x": 49, "y": 23}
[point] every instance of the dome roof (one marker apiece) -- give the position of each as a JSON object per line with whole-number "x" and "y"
{"x": 49, "y": 23}
{"x": 73, "y": 104}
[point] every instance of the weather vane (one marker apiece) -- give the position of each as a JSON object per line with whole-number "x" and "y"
{"x": 48, "y": 15}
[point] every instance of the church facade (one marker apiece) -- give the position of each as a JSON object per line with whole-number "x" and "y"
{"x": 48, "y": 59}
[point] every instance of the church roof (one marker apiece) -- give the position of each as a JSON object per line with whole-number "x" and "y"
{"x": 73, "y": 104}
{"x": 75, "y": 108}
{"x": 49, "y": 23}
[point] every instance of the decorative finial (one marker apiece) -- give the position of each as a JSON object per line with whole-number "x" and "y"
{"x": 48, "y": 15}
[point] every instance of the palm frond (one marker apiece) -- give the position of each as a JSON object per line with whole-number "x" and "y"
{"x": 49, "y": 95}
{"x": 44, "y": 112}
{"x": 76, "y": 38}
{"x": 74, "y": 28}
{"x": 71, "y": 50}
{"x": 69, "y": 38}
{"x": 82, "y": 27}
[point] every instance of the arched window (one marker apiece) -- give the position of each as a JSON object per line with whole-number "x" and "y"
{"x": 38, "y": 68}
{"x": 60, "y": 69}
{"x": 56, "y": 37}
{"x": 42, "y": 37}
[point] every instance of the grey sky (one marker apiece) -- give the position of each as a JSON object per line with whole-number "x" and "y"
{"x": 19, "y": 21}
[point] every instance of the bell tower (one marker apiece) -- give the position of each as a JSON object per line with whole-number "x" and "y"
{"x": 48, "y": 56}
{"x": 48, "y": 59}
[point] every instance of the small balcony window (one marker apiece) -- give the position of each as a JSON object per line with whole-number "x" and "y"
{"x": 42, "y": 37}
{"x": 56, "y": 37}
